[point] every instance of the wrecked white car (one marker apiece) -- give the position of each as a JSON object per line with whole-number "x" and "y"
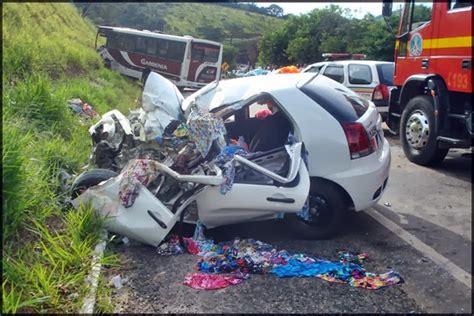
{"x": 300, "y": 146}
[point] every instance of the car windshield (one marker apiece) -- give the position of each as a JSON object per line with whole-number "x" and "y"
{"x": 385, "y": 72}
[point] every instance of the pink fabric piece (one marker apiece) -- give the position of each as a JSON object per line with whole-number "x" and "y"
{"x": 203, "y": 281}
{"x": 262, "y": 114}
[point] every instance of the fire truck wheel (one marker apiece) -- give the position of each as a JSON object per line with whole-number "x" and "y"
{"x": 417, "y": 133}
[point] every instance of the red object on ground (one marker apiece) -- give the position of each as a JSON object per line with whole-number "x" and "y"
{"x": 262, "y": 114}
{"x": 203, "y": 281}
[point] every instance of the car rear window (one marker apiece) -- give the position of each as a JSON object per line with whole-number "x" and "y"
{"x": 385, "y": 72}
{"x": 343, "y": 104}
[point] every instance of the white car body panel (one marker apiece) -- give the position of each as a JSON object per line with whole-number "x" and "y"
{"x": 321, "y": 133}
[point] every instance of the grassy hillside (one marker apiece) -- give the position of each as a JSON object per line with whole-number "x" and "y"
{"x": 189, "y": 18}
{"x": 180, "y": 18}
{"x": 48, "y": 58}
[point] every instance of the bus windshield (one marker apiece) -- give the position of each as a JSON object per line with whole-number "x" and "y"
{"x": 204, "y": 52}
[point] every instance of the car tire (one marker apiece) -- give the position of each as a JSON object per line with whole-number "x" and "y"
{"x": 89, "y": 179}
{"x": 334, "y": 209}
{"x": 417, "y": 133}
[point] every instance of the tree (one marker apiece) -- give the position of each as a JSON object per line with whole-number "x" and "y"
{"x": 229, "y": 55}
{"x": 275, "y": 10}
{"x": 211, "y": 33}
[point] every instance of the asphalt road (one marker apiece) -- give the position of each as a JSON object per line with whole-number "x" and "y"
{"x": 433, "y": 204}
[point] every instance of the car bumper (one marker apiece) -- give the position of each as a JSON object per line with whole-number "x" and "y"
{"x": 366, "y": 180}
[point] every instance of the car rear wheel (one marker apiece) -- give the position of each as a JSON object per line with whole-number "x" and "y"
{"x": 326, "y": 212}
{"x": 89, "y": 179}
{"x": 417, "y": 132}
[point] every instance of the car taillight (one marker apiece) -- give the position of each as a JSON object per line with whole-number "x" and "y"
{"x": 359, "y": 143}
{"x": 380, "y": 92}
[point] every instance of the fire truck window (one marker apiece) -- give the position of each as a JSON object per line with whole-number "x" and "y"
{"x": 335, "y": 73}
{"x": 360, "y": 74}
{"x": 458, "y": 4}
{"x": 421, "y": 14}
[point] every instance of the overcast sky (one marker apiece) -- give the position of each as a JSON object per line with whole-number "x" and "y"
{"x": 359, "y": 9}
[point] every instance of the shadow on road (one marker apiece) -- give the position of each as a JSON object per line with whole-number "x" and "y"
{"x": 449, "y": 244}
{"x": 458, "y": 164}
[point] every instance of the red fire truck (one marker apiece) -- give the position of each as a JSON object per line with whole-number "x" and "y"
{"x": 431, "y": 104}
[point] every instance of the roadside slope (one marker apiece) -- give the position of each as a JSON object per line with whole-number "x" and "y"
{"x": 48, "y": 58}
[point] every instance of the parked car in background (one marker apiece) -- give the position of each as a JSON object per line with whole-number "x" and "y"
{"x": 256, "y": 72}
{"x": 371, "y": 80}
{"x": 239, "y": 73}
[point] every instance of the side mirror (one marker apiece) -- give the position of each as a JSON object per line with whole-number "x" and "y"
{"x": 387, "y": 8}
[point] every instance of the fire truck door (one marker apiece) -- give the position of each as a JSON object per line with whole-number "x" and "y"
{"x": 416, "y": 28}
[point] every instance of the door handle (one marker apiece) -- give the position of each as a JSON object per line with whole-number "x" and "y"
{"x": 157, "y": 220}
{"x": 282, "y": 200}
{"x": 424, "y": 63}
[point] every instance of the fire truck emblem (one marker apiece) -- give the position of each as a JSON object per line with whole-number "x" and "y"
{"x": 416, "y": 45}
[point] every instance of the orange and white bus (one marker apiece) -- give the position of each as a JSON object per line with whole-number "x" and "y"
{"x": 187, "y": 61}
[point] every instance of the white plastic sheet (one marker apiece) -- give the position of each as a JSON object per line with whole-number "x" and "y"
{"x": 161, "y": 103}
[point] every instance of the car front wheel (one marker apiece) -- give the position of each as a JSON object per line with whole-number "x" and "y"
{"x": 326, "y": 212}
{"x": 89, "y": 179}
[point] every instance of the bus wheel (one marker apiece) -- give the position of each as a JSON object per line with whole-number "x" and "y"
{"x": 417, "y": 133}
{"x": 145, "y": 75}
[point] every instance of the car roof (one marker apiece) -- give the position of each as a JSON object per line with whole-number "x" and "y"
{"x": 351, "y": 61}
{"x": 363, "y": 62}
{"x": 230, "y": 91}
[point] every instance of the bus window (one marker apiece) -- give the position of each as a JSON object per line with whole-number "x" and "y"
{"x": 151, "y": 46}
{"x": 176, "y": 50}
{"x": 141, "y": 45}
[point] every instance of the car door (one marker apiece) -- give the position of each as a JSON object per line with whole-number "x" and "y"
{"x": 360, "y": 80}
{"x": 274, "y": 192}
{"x": 250, "y": 201}
{"x": 415, "y": 29}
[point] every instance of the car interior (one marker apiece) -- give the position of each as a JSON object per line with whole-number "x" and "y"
{"x": 264, "y": 135}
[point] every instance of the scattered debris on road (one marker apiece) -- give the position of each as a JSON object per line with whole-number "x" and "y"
{"x": 387, "y": 204}
{"x": 230, "y": 263}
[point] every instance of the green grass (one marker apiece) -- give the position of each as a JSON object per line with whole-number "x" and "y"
{"x": 49, "y": 58}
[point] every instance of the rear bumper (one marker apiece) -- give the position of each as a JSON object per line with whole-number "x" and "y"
{"x": 367, "y": 178}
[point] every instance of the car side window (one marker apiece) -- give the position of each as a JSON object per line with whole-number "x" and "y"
{"x": 255, "y": 107}
{"x": 335, "y": 73}
{"x": 315, "y": 69}
{"x": 360, "y": 74}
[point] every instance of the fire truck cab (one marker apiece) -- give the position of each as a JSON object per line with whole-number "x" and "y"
{"x": 431, "y": 103}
